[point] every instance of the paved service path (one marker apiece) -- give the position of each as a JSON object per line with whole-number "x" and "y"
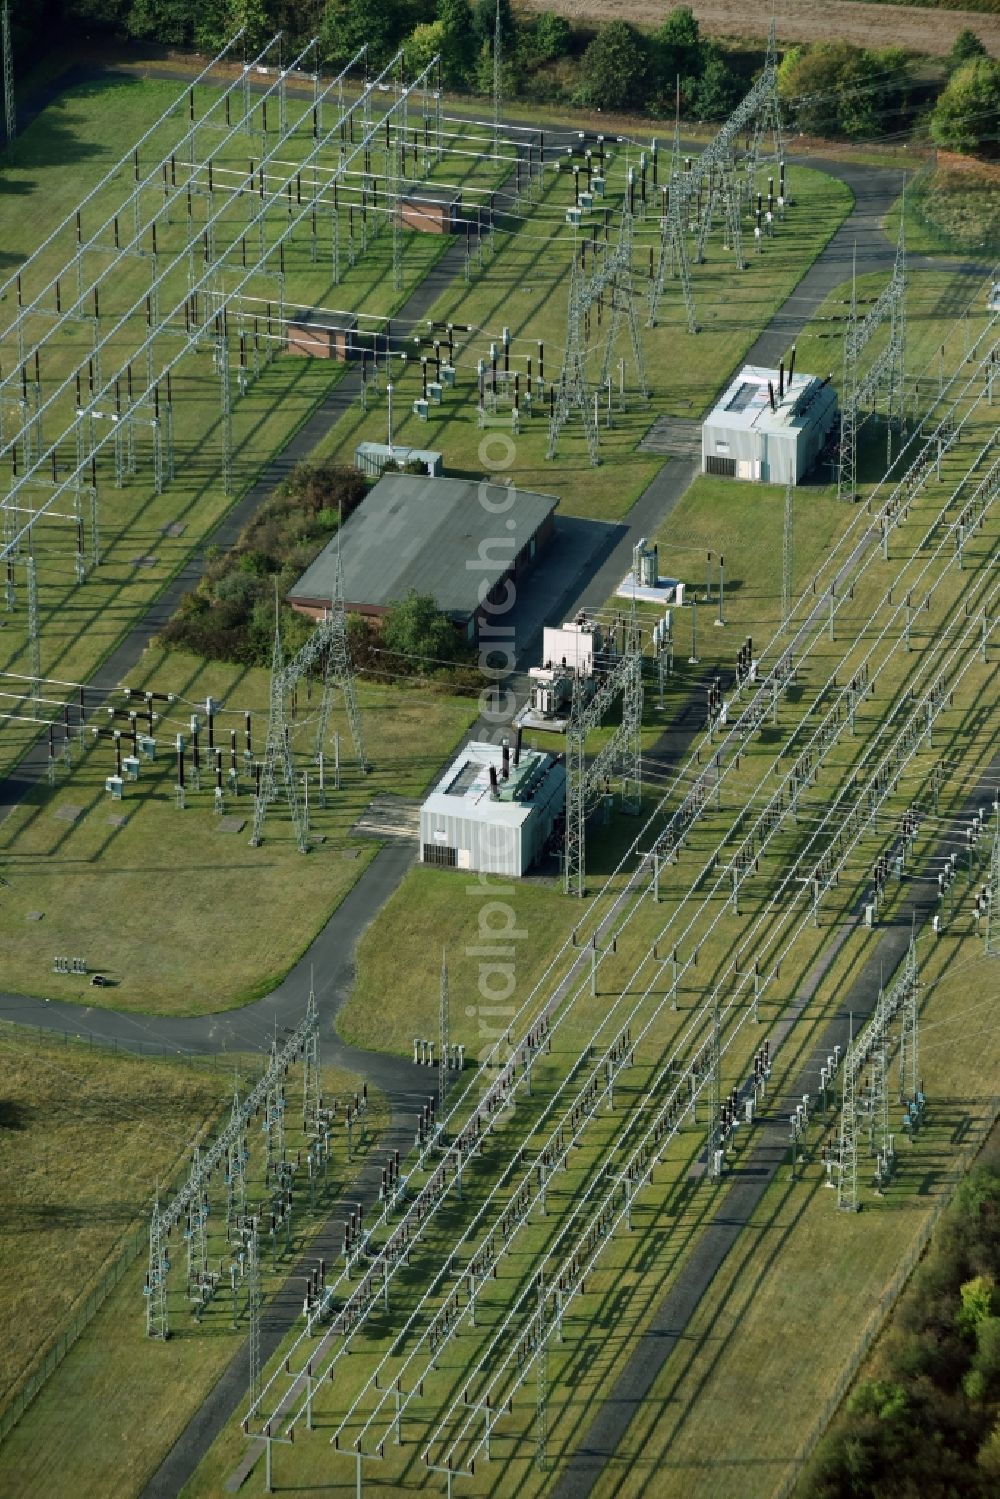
{"x": 584, "y": 570}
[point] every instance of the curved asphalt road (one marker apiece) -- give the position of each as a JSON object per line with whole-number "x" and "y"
{"x": 331, "y": 955}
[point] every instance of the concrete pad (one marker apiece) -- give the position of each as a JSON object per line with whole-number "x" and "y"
{"x": 117, "y": 819}
{"x": 232, "y": 824}
{"x": 34, "y": 915}
{"x": 67, "y": 813}
{"x": 174, "y": 528}
{"x": 662, "y": 593}
{"x": 145, "y": 559}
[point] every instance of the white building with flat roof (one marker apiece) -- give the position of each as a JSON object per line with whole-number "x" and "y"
{"x": 493, "y": 810}
{"x": 768, "y": 426}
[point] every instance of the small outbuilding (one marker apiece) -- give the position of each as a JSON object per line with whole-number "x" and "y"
{"x": 769, "y": 426}
{"x": 323, "y": 335}
{"x": 494, "y": 809}
{"x": 373, "y": 458}
{"x": 430, "y": 212}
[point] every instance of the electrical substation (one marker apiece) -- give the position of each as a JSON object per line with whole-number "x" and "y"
{"x": 713, "y": 893}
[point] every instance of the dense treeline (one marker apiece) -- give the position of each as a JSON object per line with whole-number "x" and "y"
{"x": 930, "y": 1425}
{"x": 829, "y": 89}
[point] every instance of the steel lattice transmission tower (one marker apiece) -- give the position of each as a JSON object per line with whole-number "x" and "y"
{"x": 576, "y": 802}
{"x": 572, "y": 392}
{"x": 993, "y": 900}
{"x": 9, "y": 102}
{"x": 729, "y": 175}
{"x": 713, "y": 1137}
{"x": 236, "y": 1167}
{"x": 860, "y": 391}
{"x": 787, "y": 542}
{"x": 497, "y": 77}
{"x": 254, "y": 1299}
{"x": 611, "y": 278}
{"x": 673, "y": 257}
{"x": 847, "y": 1180}
{"x": 327, "y": 648}
{"x": 157, "y": 1325}
{"x": 623, "y": 305}
{"x": 909, "y": 1035}
{"x": 278, "y": 754}
{"x": 330, "y": 643}
{"x": 445, "y": 1030}
{"x": 312, "y": 1082}
{"x": 586, "y": 785}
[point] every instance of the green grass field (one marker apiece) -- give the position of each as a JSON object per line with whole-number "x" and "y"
{"x": 83, "y": 1172}
{"x": 86, "y": 1138}
{"x": 146, "y": 901}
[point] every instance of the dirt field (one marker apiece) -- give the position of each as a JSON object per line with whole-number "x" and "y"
{"x": 802, "y": 20}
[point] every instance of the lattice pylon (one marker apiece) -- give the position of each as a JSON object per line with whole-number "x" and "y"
{"x": 572, "y": 390}
{"x": 254, "y": 1300}
{"x": 847, "y": 1178}
{"x": 236, "y": 1170}
{"x": 312, "y": 1084}
{"x": 992, "y": 937}
{"x": 787, "y": 556}
{"x": 672, "y": 258}
{"x": 631, "y": 792}
{"x": 278, "y": 755}
{"x": 909, "y": 1035}
{"x": 896, "y": 369}
{"x": 157, "y": 1320}
{"x": 847, "y": 465}
{"x": 576, "y": 800}
{"x": 444, "y": 1027}
{"x": 713, "y": 1134}
{"x": 339, "y": 670}
{"x": 9, "y": 101}
{"x": 497, "y": 77}
{"x": 623, "y": 304}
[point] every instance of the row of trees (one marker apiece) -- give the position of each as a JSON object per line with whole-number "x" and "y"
{"x": 929, "y": 1425}
{"x": 830, "y": 88}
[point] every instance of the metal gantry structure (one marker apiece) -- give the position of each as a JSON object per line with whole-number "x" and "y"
{"x": 724, "y": 175}
{"x": 865, "y": 1082}
{"x": 675, "y": 221}
{"x": 884, "y": 377}
{"x": 589, "y": 783}
{"x": 188, "y": 1206}
{"x": 610, "y": 280}
{"x": 327, "y": 651}
{"x": 992, "y": 932}
{"x": 787, "y": 554}
{"x": 9, "y": 101}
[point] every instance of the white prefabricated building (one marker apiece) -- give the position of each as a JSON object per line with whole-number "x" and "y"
{"x": 493, "y": 810}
